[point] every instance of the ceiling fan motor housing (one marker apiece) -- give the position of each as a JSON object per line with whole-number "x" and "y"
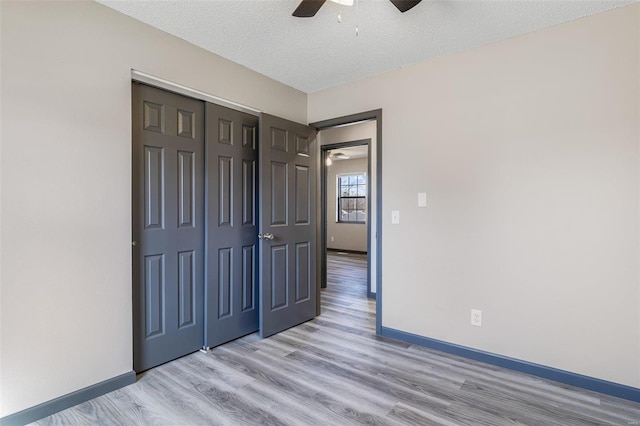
{"x": 309, "y": 8}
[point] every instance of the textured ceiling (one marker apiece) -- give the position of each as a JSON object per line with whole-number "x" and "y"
{"x": 312, "y": 54}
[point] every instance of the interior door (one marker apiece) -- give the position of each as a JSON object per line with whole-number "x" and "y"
{"x": 231, "y": 291}
{"x": 167, "y": 225}
{"x": 288, "y": 173}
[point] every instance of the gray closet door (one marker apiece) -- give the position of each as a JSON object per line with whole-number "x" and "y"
{"x": 231, "y": 292}
{"x": 288, "y": 224}
{"x": 168, "y": 225}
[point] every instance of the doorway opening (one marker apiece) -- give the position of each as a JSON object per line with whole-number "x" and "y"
{"x": 346, "y": 214}
{"x": 350, "y": 204}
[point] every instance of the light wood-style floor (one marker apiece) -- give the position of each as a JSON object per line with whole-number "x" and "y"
{"x": 335, "y": 371}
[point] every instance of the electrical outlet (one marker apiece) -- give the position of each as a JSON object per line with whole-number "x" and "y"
{"x": 476, "y": 317}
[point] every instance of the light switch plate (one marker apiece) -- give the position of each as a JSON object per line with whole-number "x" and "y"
{"x": 395, "y": 217}
{"x": 476, "y": 317}
{"x": 422, "y": 199}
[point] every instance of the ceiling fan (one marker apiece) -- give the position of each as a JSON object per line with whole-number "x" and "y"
{"x": 340, "y": 156}
{"x": 308, "y": 8}
{"x": 336, "y": 156}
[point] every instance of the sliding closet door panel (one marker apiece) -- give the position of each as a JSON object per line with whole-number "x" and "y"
{"x": 168, "y": 225}
{"x": 231, "y": 236}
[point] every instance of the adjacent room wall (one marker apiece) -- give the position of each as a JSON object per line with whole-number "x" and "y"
{"x": 528, "y": 152}
{"x": 66, "y": 184}
{"x": 344, "y": 236}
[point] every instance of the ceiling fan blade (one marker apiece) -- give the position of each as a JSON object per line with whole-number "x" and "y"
{"x": 404, "y": 5}
{"x": 308, "y": 8}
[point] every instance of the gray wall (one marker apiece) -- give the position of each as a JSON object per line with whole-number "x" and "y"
{"x": 528, "y": 150}
{"x": 66, "y": 184}
{"x": 345, "y": 236}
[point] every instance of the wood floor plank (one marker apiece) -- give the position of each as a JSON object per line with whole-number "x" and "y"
{"x": 521, "y": 408}
{"x": 334, "y": 370}
{"x": 410, "y": 415}
{"x": 376, "y": 364}
{"x": 340, "y": 387}
{"x": 277, "y": 374}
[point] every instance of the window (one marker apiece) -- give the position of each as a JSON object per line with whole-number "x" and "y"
{"x": 352, "y": 198}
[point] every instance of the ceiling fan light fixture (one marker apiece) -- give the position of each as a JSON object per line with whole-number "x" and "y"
{"x": 309, "y": 8}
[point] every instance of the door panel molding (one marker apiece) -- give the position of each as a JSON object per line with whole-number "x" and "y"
{"x": 186, "y": 288}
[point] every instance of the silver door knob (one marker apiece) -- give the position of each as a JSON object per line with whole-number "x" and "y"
{"x": 266, "y": 236}
{"x": 134, "y": 243}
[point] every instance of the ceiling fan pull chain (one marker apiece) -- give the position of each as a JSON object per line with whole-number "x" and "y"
{"x": 356, "y": 1}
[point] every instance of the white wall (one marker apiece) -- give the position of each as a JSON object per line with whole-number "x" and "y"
{"x": 344, "y": 236}
{"x": 528, "y": 150}
{"x": 356, "y": 132}
{"x": 66, "y": 184}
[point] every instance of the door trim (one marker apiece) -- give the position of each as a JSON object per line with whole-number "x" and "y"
{"x": 323, "y": 209}
{"x": 351, "y": 119}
